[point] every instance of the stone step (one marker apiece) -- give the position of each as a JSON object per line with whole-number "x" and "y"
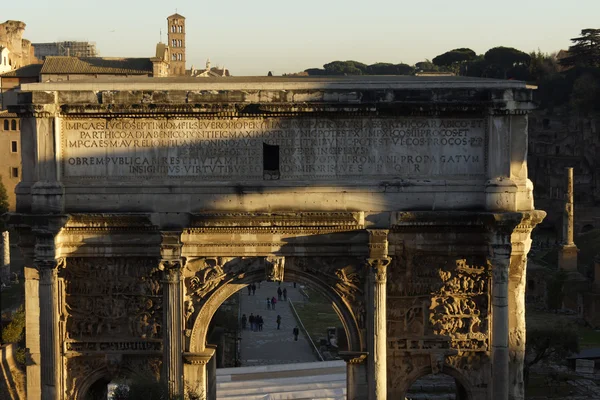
{"x": 224, "y": 374}
{"x": 269, "y": 388}
{"x": 320, "y": 394}
{"x": 313, "y": 379}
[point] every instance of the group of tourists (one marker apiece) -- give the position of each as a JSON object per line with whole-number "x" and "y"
{"x": 252, "y": 289}
{"x": 281, "y": 293}
{"x": 256, "y": 322}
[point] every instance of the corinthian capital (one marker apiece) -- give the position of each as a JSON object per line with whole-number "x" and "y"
{"x": 378, "y": 266}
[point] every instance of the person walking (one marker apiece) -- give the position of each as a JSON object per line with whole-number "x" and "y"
{"x": 260, "y": 322}
{"x": 279, "y": 293}
{"x": 251, "y": 320}
{"x": 268, "y": 303}
{"x": 249, "y": 290}
{"x": 278, "y": 321}
{"x": 244, "y": 319}
{"x": 273, "y": 302}
{"x": 253, "y": 289}
{"x": 284, "y": 294}
{"x": 296, "y": 333}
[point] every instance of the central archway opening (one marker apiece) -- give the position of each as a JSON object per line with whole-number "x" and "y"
{"x": 275, "y": 338}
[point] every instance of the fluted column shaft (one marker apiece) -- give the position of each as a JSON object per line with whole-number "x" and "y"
{"x": 49, "y": 340}
{"x": 173, "y": 326}
{"x": 500, "y": 321}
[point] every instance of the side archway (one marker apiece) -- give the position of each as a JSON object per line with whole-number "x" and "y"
{"x": 462, "y": 382}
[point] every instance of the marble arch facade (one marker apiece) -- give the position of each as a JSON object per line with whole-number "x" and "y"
{"x": 145, "y": 204}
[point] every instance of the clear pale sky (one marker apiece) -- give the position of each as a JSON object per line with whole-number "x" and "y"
{"x": 252, "y": 37}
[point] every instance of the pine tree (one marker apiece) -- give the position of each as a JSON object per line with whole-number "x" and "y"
{"x": 585, "y": 51}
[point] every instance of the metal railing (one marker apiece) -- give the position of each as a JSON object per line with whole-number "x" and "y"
{"x": 315, "y": 349}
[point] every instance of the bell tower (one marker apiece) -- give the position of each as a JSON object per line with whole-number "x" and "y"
{"x": 176, "y": 27}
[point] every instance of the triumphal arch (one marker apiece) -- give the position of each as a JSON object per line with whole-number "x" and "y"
{"x": 144, "y": 204}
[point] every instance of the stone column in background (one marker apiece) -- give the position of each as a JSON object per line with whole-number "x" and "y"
{"x": 5, "y": 272}
{"x": 567, "y": 255}
{"x": 171, "y": 265}
{"x": 356, "y": 374}
{"x": 377, "y": 313}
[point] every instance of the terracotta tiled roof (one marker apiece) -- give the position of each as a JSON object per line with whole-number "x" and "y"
{"x": 96, "y": 65}
{"x": 175, "y": 16}
{"x": 28, "y": 71}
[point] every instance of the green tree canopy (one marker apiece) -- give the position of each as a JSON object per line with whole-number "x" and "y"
{"x": 390, "y": 69}
{"x": 585, "y": 51}
{"x": 426, "y": 66}
{"x": 454, "y": 56}
{"x": 345, "y": 68}
{"x": 542, "y": 65}
{"x": 507, "y": 57}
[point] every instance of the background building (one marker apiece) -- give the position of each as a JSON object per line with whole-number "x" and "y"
{"x": 67, "y": 48}
{"x": 10, "y": 162}
{"x": 176, "y": 26}
{"x": 20, "y": 51}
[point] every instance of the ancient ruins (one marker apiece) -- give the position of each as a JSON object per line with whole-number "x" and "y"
{"x": 145, "y": 203}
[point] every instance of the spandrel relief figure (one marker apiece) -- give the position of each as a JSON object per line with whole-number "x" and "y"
{"x": 207, "y": 278}
{"x": 348, "y": 282}
{"x": 274, "y": 269}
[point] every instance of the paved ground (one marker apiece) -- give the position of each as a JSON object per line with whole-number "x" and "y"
{"x": 272, "y": 346}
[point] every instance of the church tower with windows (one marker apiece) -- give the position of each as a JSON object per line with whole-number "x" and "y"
{"x": 176, "y": 26}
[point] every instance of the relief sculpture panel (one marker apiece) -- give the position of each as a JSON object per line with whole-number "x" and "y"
{"x": 113, "y": 304}
{"x": 437, "y": 314}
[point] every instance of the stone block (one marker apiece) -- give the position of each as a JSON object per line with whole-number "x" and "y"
{"x": 78, "y": 97}
{"x": 42, "y": 97}
{"x": 584, "y": 366}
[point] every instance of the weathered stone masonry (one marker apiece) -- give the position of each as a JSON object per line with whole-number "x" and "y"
{"x": 145, "y": 204}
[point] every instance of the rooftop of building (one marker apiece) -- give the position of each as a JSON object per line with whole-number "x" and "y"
{"x": 96, "y": 65}
{"x": 175, "y": 16}
{"x": 281, "y": 83}
{"x": 28, "y": 71}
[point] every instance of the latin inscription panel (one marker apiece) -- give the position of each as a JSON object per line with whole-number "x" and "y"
{"x": 289, "y": 148}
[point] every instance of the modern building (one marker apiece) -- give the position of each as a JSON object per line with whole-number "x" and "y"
{"x": 176, "y": 26}
{"x": 66, "y": 48}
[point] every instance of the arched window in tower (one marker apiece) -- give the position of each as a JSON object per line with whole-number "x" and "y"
{"x": 174, "y": 43}
{"x": 13, "y": 125}
{"x": 5, "y": 124}
{"x": 179, "y": 43}
{"x": 173, "y": 28}
{"x": 181, "y": 29}
{"x": 174, "y": 57}
{"x": 179, "y": 56}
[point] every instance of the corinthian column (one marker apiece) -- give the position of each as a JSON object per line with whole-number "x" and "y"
{"x": 378, "y": 336}
{"x": 377, "y": 313}
{"x": 49, "y": 340}
{"x": 171, "y": 265}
